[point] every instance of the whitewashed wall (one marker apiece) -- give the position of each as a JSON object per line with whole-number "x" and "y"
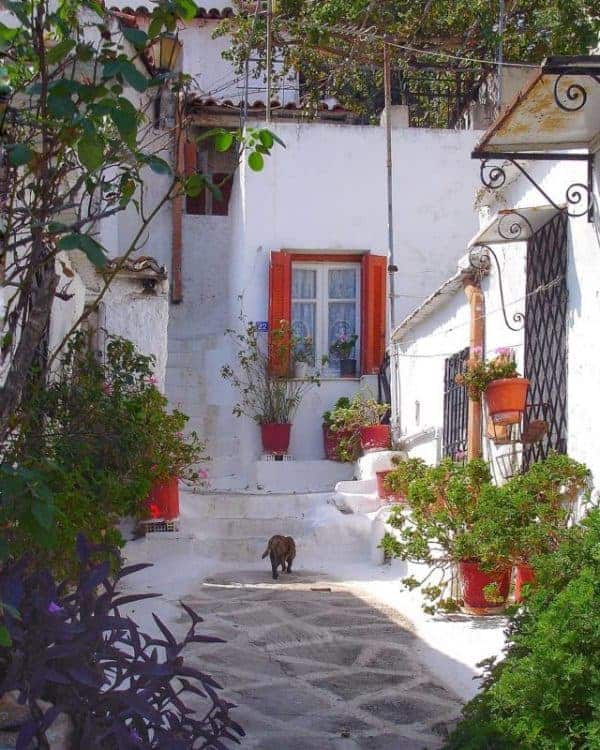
{"x": 446, "y": 330}
{"x": 324, "y": 192}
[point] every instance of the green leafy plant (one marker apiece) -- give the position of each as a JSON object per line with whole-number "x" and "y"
{"x": 90, "y": 444}
{"x": 362, "y": 411}
{"x": 80, "y": 142}
{"x": 261, "y": 375}
{"x": 343, "y": 346}
{"x": 480, "y": 373}
{"x": 543, "y": 694}
{"x": 443, "y": 505}
{"x": 403, "y": 473}
{"x": 329, "y": 417}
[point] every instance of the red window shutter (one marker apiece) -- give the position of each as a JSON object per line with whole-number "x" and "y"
{"x": 224, "y": 182}
{"x": 197, "y": 204}
{"x": 374, "y": 278}
{"x": 280, "y": 301}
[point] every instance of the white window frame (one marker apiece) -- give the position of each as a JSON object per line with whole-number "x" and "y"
{"x": 322, "y": 300}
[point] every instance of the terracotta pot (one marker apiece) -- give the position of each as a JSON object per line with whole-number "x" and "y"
{"x": 163, "y": 500}
{"x": 376, "y": 437}
{"x": 473, "y": 580}
{"x": 347, "y": 368}
{"x": 382, "y": 490}
{"x": 275, "y": 437}
{"x": 506, "y": 399}
{"x": 523, "y": 575}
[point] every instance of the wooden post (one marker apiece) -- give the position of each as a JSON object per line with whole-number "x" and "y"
{"x": 476, "y": 342}
{"x": 177, "y": 213}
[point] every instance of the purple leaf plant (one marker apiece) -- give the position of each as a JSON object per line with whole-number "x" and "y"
{"x": 122, "y": 688}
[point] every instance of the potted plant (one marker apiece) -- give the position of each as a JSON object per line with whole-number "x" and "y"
{"x": 442, "y": 530}
{"x": 304, "y": 355}
{"x": 362, "y": 418}
{"x": 268, "y": 395}
{"x": 505, "y": 390}
{"x": 339, "y": 443}
{"x": 542, "y": 503}
{"x": 394, "y": 483}
{"x": 341, "y": 349}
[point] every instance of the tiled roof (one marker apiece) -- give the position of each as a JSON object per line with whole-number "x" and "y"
{"x": 208, "y": 13}
{"x": 258, "y": 104}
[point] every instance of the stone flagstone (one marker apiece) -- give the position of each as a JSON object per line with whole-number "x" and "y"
{"x": 318, "y": 669}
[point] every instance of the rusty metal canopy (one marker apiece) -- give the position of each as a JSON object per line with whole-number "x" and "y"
{"x": 514, "y": 225}
{"x": 558, "y": 111}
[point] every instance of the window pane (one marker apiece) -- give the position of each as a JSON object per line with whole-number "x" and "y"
{"x": 304, "y": 283}
{"x": 342, "y": 283}
{"x": 303, "y": 319}
{"x": 342, "y": 322}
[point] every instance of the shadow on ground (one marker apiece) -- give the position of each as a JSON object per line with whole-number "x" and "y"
{"x": 312, "y": 666}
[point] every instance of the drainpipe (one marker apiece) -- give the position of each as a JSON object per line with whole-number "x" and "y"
{"x": 476, "y": 341}
{"x": 177, "y": 214}
{"x": 387, "y": 76}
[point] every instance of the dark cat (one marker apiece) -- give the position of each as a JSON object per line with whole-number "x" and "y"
{"x": 282, "y": 551}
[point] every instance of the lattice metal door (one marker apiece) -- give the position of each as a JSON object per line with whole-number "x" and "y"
{"x": 456, "y": 407}
{"x": 545, "y": 360}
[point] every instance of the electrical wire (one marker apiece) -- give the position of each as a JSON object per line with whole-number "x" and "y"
{"x": 405, "y": 342}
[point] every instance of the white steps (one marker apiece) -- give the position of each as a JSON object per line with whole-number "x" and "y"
{"x": 235, "y": 527}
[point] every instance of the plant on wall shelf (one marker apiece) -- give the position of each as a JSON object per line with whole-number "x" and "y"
{"x": 480, "y": 373}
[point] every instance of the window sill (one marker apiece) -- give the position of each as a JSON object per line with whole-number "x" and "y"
{"x": 332, "y": 378}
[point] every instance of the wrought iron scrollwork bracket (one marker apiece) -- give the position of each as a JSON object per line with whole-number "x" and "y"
{"x": 579, "y": 197}
{"x": 480, "y": 260}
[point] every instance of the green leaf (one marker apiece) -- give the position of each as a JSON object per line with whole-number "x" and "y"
{"x": 186, "y": 9}
{"x": 194, "y": 185}
{"x": 223, "y": 141}
{"x": 61, "y": 106}
{"x": 91, "y": 151}
{"x": 158, "y": 165}
{"x": 43, "y": 514}
{"x": 266, "y": 138}
{"x": 60, "y": 51}
{"x": 137, "y": 37}
{"x": 20, "y": 154}
{"x": 5, "y": 639}
{"x": 124, "y": 115}
{"x": 94, "y": 251}
{"x": 256, "y": 161}
{"x": 133, "y": 76}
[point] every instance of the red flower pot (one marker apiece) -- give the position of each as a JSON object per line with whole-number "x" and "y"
{"x": 382, "y": 490}
{"x": 523, "y": 575}
{"x": 473, "y": 580}
{"x": 163, "y": 500}
{"x": 275, "y": 437}
{"x": 506, "y": 399}
{"x": 376, "y": 437}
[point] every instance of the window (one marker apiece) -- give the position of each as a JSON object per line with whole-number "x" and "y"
{"x": 456, "y": 407}
{"x": 328, "y": 295}
{"x": 326, "y": 305}
{"x": 203, "y": 158}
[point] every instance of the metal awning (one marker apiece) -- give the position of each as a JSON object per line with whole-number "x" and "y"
{"x": 558, "y": 111}
{"x": 556, "y": 117}
{"x": 514, "y": 225}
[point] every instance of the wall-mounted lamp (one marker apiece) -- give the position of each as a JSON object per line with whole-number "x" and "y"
{"x": 167, "y": 51}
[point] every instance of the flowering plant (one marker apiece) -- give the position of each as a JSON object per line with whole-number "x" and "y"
{"x": 480, "y": 373}
{"x": 343, "y": 345}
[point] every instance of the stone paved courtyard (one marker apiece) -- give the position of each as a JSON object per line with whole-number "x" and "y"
{"x": 312, "y": 666}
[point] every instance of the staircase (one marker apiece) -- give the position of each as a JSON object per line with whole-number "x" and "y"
{"x": 235, "y": 527}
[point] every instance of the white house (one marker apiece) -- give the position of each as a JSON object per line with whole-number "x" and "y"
{"x": 319, "y": 210}
{"x": 540, "y": 241}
